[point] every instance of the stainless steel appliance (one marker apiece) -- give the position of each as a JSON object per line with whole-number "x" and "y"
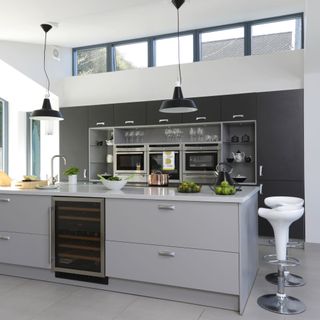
{"x": 78, "y": 237}
{"x": 155, "y": 161}
{"x": 200, "y": 161}
{"x": 131, "y": 160}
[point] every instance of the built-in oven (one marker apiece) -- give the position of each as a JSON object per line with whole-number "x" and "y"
{"x": 131, "y": 161}
{"x": 158, "y": 154}
{"x": 200, "y": 161}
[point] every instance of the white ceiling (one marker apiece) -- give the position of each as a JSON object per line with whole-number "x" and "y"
{"x": 84, "y": 22}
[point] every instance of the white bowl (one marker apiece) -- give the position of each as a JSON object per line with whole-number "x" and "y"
{"x": 114, "y": 185}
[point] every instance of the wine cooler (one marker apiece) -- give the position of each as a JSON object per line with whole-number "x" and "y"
{"x": 78, "y": 236}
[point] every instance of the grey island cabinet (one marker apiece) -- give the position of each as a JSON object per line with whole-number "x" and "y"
{"x": 197, "y": 248}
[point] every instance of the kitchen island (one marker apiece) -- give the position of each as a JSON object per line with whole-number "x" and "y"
{"x": 198, "y": 248}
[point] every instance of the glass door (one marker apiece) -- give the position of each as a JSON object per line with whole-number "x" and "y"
{"x": 79, "y": 236}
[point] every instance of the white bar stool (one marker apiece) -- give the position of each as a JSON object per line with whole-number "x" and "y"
{"x": 291, "y": 280}
{"x": 280, "y": 219}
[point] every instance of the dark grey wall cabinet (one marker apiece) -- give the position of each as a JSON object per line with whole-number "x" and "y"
{"x": 280, "y": 135}
{"x": 74, "y": 139}
{"x": 156, "y": 117}
{"x": 130, "y": 114}
{"x": 101, "y": 116}
{"x": 282, "y": 188}
{"x": 208, "y": 110}
{"x": 238, "y": 107}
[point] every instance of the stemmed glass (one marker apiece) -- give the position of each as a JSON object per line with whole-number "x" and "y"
{"x": 192, "y": 133}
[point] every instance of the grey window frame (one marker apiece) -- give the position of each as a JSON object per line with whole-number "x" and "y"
{"x": 5, "y": 127}
{"x": 196, "y": 40}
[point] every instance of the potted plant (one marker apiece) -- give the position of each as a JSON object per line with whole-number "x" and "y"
{"x": 72, "y": 174}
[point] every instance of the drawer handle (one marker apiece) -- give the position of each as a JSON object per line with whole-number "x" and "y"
{"x": 166, "y": 207}
{"x": 100, "y": 124}
{"x": 4, "y": 238}
{"x": 170, "y": 254}
{"x": 129, "y": 122}
{"x": 201, "y": 118}
{"x": 261, "y": 189}
{"x": 238, "y": 116}
{"x": 4, "y": 200}
{"x": 260, "y": 171}
{"x": 163, "y": 120}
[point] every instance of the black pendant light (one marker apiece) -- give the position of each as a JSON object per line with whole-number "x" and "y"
{"x": 178, "y": 104}
{"x": 46, "y": 112}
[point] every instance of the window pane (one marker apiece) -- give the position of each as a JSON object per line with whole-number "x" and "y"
{"x": 222, "y": 44}
{"x": 167, "y": 50}
{"x": 1, "y": 135}
{"x": 92, "y": 60}
{"x": 35, "y": 148}
{"x": 131, "y": 56}
{"x": 276, "y": 36}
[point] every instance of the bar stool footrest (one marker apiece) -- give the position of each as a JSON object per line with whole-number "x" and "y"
{"x": 288, "y": 262}
{"x": 290, "y": 280}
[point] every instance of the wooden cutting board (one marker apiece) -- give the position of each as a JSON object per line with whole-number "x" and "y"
{"x": 31, "y": 184}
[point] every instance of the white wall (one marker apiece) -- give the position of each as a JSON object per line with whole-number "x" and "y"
{"x": 22, "y": 84}
{"x": 234, "y": 75}
{"x": 311, "y": 120}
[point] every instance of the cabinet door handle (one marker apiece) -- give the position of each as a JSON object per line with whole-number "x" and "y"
{"x": 261, "y": 189}
{"x": 129, "y": 122}
{"x": 163, "y": 120}
{"x": 4, "y": 200}
{"x": 100, "y": 123}
{"x": 166, "y": 207}
{"x": 4, "y": 238}
{"x": 260, "y": 171}
{"x": 201, "y": 118}
{"x": 85, "y": 173}
{"x": 50, "y": 233}
{"x": 165, "y": 253}
{"x": 235, "y": 116}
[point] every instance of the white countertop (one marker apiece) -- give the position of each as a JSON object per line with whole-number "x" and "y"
{"x": 152, "y": 193}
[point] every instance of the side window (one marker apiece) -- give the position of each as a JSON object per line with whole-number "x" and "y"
{"x": 34, "y": 146}
{"x": 3, "y": 135}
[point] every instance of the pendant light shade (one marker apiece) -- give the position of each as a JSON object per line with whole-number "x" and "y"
{"x": 178, "y": 104}
{"x": 46, "y": 112}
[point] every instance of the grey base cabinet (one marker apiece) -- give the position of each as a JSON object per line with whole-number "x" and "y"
{"x": 24, "y": 230}
{"x": 211, "y": 247}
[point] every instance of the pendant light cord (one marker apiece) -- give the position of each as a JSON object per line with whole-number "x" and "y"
{"x": 44, "y": 65}
{"x": 179, "y": 62}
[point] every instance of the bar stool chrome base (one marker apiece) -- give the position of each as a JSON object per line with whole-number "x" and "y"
{"x": 290, "y": 280}
{"x": 281, "y": 304}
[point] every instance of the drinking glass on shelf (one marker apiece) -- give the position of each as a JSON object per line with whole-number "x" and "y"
{"x": 131, "y": 136}
{"x": 126, "y": 135}
{"x": 192, "y": 133}
{"x": 200, "y": 134}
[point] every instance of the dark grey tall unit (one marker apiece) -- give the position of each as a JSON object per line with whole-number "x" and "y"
{"x": 281, "y": 151}
{"x": 74, "y": 139}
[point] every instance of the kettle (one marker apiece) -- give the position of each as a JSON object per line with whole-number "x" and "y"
{"x": 238, "y": 156}
{"x": 223, "y": 171}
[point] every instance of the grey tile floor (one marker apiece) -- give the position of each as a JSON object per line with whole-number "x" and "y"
{"x": 22, "y": 299}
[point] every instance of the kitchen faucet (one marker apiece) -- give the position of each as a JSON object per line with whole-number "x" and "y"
{"x": 54, "y": 179}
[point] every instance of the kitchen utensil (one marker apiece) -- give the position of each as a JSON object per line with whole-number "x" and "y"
{"x": 247, "y": 159}
{"x": 239, "y": 179}
{"x": 223, "y": 171}
{"x": 238, "y": 156}
{"x": 245, "y": 138}
{"x": 157, "y": 178}
{"x": 234, "y": 139}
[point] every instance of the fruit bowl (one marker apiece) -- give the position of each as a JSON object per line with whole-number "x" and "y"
{"x": 114, "y": 185}
{"x": 225, "y": 189}
{"x": 188, "y": 187}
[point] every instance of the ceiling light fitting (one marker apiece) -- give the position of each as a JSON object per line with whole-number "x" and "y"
{"x": 178, "y": 104}
{"x": 46, "y": 112}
